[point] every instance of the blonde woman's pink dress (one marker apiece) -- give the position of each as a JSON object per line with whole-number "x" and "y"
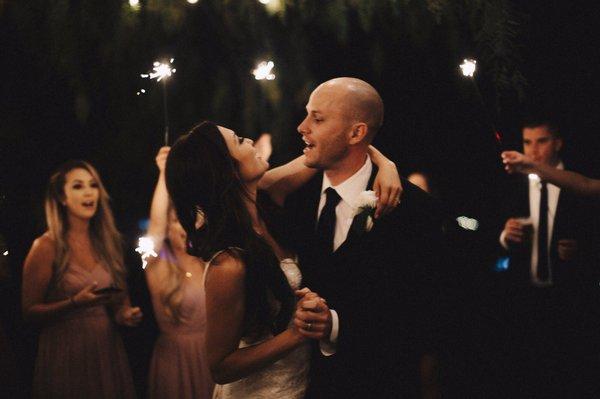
{"x": 179, "y": 367}
{"x": 81, "y": 355}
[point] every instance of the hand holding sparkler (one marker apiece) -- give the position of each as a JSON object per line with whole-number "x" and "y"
{"x": 515, "y": 162}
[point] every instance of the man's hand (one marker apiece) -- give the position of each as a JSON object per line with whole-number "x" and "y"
{"x": 567, "y": 249}
{"x": 513, "y": 231}
{"x": 312, "y": 318}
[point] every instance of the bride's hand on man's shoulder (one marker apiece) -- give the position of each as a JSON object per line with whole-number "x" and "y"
{"x": 312, "y": 318}
{"x": 388, "y": 189}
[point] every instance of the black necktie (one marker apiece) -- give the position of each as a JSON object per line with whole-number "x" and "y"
{"x": 543, "y": 270}
{"x": 326, "y": 223}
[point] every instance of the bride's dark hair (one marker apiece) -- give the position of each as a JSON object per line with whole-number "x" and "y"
{"x": 204, "y": 184}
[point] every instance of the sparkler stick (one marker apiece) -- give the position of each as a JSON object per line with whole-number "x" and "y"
{"x": 162, "y": 71}
{"x": 468, "y": 69}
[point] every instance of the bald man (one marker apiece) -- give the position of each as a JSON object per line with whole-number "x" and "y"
{"x": 374, "y": 276}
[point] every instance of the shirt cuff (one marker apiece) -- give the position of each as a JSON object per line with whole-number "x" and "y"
{"x": 329, "y": 346}
{"x": 503, "y": 240}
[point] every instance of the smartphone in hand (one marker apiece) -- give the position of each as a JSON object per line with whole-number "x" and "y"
{"x": 108, "y": 290}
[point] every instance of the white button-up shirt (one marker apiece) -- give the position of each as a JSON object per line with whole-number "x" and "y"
{"x": 349, "y": 191}
{"x": 535, "y": 189}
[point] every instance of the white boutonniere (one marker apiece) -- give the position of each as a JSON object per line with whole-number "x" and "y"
{"x": 366, "y": 203}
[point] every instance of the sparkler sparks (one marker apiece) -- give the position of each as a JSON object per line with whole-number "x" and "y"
{"x": 468, "y": 67}
{"x": 263, "y": 71}
{"x": 146, "y": 249}
{"x": 160, "y": 71}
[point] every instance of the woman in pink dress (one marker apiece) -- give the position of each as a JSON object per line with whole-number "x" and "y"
{"x": 74, "y": 287}
{"x": 178, "y": 368}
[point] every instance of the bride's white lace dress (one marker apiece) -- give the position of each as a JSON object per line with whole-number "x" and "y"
{"x": 287, "y": 377}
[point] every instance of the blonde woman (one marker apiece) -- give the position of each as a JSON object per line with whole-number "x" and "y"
{"x": 74, "y": 287}
{"x": 178, "y": 368}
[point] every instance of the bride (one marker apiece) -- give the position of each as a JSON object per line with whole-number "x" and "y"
{"x": 253, "y": 349}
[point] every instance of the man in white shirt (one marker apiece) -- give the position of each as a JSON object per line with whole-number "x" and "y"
{"x": 541, "y": 256}
{"x": 372, "y": 272}
{"x": 546, "y": 237}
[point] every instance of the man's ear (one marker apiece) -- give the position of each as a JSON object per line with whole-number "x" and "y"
{"x": 558, "y": 144}
{"x": 358, "y": 133}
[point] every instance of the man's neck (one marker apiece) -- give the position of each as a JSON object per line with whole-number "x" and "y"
{"x": 346, "y": 168}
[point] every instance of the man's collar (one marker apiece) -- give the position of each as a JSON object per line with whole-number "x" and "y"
{"x": 350, "y": 188}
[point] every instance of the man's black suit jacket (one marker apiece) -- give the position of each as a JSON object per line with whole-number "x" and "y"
{"x": 381, "y": 283}
{"x": 573, "y": 220}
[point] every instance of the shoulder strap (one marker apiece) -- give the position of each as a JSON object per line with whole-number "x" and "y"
{"x": 213, "y": 258}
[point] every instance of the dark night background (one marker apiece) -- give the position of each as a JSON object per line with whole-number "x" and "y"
{"x": 70, "y": 73}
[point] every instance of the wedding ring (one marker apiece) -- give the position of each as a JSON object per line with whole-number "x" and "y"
{"x": 308, "y": 326}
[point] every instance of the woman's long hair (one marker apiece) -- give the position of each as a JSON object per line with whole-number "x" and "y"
{"x": 105, "y": 237}
{"x": 170, "y": 293}
{"x": 203, "y": 181}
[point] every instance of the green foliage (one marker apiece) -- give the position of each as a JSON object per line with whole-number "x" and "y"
{"x": 100, "y": 48}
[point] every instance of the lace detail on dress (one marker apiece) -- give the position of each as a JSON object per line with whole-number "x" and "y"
{"x": 287, "y": 377}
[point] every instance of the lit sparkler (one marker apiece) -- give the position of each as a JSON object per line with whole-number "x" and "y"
{"x": 162, "y": 71}
{"x": 146, "y": 249}
{"x": 468, "y": 67}
{"x": 263, "y": 71}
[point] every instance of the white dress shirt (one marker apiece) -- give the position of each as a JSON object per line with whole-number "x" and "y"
{"x": 349, "y": 191}
{"x": 535, "y": 187}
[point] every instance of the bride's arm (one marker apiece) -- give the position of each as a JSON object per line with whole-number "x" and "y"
{"x": 281, "y": 181}
{"x": 225, "y": 310}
